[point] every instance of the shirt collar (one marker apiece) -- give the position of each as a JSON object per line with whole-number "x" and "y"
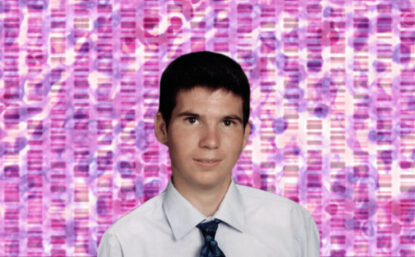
{"x": 231, "y": 210}
{"x": 182, "y": 216}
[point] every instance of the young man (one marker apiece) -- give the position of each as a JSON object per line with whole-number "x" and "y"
{"x": 203, "y": 120}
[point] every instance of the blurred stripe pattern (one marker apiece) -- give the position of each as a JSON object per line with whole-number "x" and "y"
{"x": 333, "y": 114}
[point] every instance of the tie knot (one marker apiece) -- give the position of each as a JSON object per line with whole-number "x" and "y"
{"x": 208, "y": 229}
{"x": 210, "y": 247}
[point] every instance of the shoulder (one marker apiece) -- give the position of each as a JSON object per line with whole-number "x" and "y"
{"x": 135, "y": 231}
{"x": 284, "y": 225}
{"x": 281, "y": 217}
{"x": 255, "y": 200}
{"x": 139, "y": 219}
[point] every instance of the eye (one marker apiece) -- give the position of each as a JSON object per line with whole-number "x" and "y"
{"x": 228, "y": 122}
{"x": 191, "y": 120}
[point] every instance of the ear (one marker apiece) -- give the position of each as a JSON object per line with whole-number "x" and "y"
{"x": 246, "y": 134}
{"x": 160, "y": 128}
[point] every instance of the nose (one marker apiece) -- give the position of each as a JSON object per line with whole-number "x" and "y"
{"x": 209, "y": 138}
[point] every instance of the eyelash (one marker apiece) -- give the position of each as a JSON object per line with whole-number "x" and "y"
{"x": 231, "y": 122}
{"x": 190, "y": 118}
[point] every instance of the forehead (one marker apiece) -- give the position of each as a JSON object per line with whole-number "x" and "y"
{"x": 207, "y": 99}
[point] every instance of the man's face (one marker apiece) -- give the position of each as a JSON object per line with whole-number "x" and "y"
{"x": 205, "y": 137}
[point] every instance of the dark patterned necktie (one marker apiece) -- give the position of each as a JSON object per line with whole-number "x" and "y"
{"x": 210, "y": 248}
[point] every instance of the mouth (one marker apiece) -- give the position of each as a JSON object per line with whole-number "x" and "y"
{"x": 207, "y": 163}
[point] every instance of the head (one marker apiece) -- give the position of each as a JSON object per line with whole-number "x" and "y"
{"x": 207, "y": 69}
{"x": 203, "y": 119}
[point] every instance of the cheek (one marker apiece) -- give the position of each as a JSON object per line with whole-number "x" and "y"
{"x": 232, "y": 146}
{"x": 179, "y": 143}
{"x": 233, "y": 139}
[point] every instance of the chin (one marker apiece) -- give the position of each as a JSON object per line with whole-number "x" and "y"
{"x": 209, "y": 182}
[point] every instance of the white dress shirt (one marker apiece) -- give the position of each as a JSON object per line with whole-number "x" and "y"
{"x": 254, "y": 223}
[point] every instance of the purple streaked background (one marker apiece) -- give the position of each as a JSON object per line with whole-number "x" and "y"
{"x": 333, "y": 112}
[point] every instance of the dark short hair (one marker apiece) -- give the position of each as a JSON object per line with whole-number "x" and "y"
{"x": 207, "y": 69}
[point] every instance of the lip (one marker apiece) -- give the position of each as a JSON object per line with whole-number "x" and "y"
{"x": 207, "y": 163}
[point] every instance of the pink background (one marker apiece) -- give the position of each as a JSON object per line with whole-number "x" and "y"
{"x": 333, "y": 109}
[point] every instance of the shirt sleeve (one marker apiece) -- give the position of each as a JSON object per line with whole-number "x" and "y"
{"x": 312, "y": 245}
{"x": 109, "y": 246}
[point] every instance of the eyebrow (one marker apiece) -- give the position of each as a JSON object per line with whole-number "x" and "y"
{"x": 192, "y": 114}
{"x": 187, "y": 114}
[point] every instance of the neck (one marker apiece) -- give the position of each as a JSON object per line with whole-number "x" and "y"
{"x": 205, "y": 200}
